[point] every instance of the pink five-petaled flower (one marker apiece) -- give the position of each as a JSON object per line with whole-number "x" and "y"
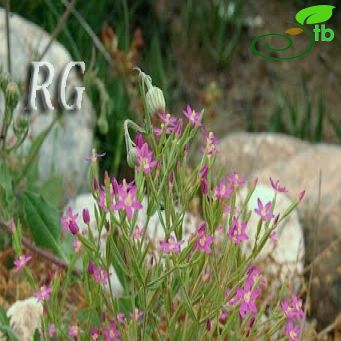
{"x": 121, "y": 318}
{"x": 99, "y": 275}
{"x": 292, "y": 331}
{"x": 74, "y": 331}
{"x": 246, "y": 296}
{"x": 127, "y": 201}
{"x": 136, "y": 314}
{"x": 204, "y": 241}
{"x": 144, "y": 159}
{"x": 168, "y": 124}
{"x": 293, "y": 308}
{"x": 277, "y": 187}
{"x": 193, "y": 116}
{"x": 264, "y": 211}
{"x": 52, "y": 331}
{"x": 171, "y": 245}
{"x": 111, "y": 333}
{"x": 235, "y": 180}
{"x": 95, "y": 334}
{"x": 20, "y": 262}
{"x": 223, "y": 190}
{"x": 237, "y": 231}
{"x": 69, "y": 221}
{"x": 43, "y": 294}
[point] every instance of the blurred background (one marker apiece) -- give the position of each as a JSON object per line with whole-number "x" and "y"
{"x": 198, "y": 52}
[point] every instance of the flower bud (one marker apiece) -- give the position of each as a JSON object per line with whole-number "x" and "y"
{"x": 4, "y": 80}
{"x": 155, "y": 101}
{"x": 86, "y": 216}
{"x": 131, "y": 157}
{"x": 12, "y": 95}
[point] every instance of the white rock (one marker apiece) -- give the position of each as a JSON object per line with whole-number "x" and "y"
{"x": 287, "y": 253}
{"x": 71, "y": 140}
{"x": 25, "y": 318}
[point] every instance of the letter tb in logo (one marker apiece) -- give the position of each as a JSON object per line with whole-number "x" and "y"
{"x": 323, "y": 34}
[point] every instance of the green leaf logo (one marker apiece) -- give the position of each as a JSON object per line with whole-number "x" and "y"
{"x": 314, "y": 14}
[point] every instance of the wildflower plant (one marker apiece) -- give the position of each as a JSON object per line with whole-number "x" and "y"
{"x": 195, "y": 285}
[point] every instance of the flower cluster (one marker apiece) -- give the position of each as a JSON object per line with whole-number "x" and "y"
{"x": 294, "y": 314}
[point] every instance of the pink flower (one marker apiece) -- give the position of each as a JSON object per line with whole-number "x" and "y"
{"x": 95, "y": 334}
{"x": 127, "y": 201}
{"x": 246, "y": 296}
{"x": 171, "y": 245}
{"x": 204, "y": 241}
{"x": 52, "y": 331}
{"x": 43, "y": 294}
{"x": 237, "y": 231}
{"x": 264, "y": 212}
{"x": 111, "y": 333}
{"x": 223, "y": 316}
{"x": 121, "y": 318}
{"x": 211, "y": 144}
{"x": 193, "y": 116}
{"x": 168, "y": 124}
{"x": 20, "y": 262}
{"x": 292, "y": 331}
{"x": 138, "y": 232}
{"x": 98, "y": 274}
{"x": 203, "y": 179}
{"x": 253, "y": 274}
{"x": 293, "y": 309}
{"x": 144, "y": 159}
{"x": 74, "y": 331}
{"x": 223, "y": 190}
{"x": 69, "y": 221}
{"x": 102, "y": 200}
{"x": 136, "y": 314}
{"x": 235, "y": 180}
{"x": 276, "y": 186}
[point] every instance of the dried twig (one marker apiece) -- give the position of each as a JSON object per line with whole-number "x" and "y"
{"x": 40, "y": 252}
{"x": 9, "y": 60}
{"x": 59, "y": 27}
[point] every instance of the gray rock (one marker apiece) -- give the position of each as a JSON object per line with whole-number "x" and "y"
{"x": 71, "y": 139}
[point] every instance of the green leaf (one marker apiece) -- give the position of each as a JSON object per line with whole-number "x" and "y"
{"x": 314, "y": 14}
{"x": 7, "y": 330}
{"x": 43, "y": 221}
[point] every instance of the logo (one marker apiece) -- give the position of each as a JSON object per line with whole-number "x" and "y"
{"x": 314, "y": 15}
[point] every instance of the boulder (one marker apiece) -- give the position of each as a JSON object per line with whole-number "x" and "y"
{"x": 71, "y": 139}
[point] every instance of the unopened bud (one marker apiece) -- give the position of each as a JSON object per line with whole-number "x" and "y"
{"x": 4, "y": 80}
{"x": 131, "y": 157}
{"x": 86, "y": 216}
{"x": 155, "y": 101}
{"x": 12, "y": 95}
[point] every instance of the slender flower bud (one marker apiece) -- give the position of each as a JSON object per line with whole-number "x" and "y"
{"x": 12, "y": 95}
{"x": 131, "y": 157}
{"x": 155, "y": 101}
{"x": 301, "y": 195}
{"x": 4, "y": 80}
{"x": 86, "y": 216}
